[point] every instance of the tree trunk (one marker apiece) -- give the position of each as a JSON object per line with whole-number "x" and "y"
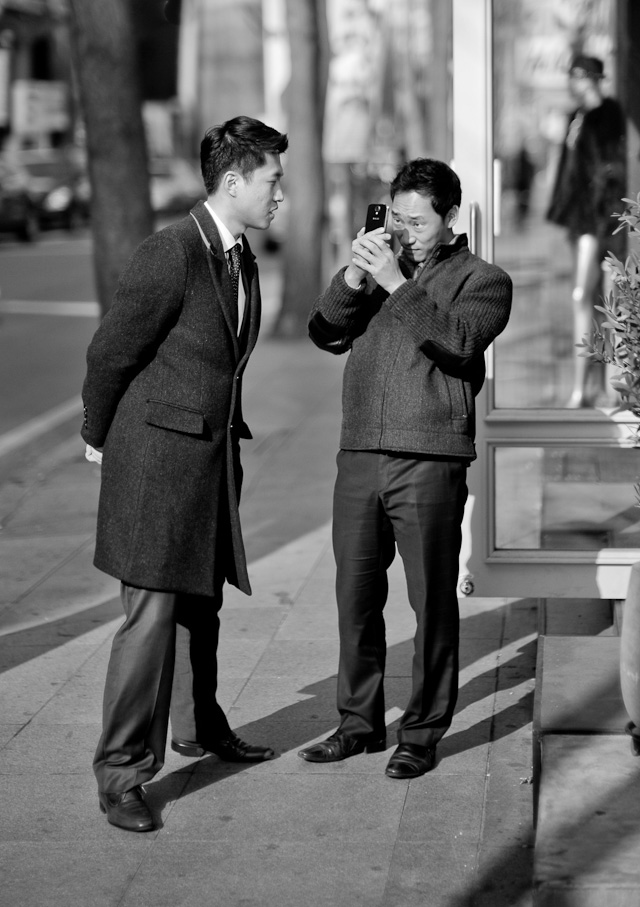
{"x": 106, "y": 68}
{"x": 304, "y": 172}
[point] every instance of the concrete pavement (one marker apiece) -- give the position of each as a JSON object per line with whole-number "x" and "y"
{"x": 286, "y": 832}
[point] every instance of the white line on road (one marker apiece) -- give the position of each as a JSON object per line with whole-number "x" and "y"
{"x": 42, "y": 307}
{"x": 32, "y": 429}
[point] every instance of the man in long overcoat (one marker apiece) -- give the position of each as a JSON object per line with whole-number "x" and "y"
{"x": 162, "y": 412}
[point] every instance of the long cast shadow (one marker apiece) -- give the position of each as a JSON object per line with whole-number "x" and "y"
{"x": 25, "y": 645}
{"x": 288, "y": 729}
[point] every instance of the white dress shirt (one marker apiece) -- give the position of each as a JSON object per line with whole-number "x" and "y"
{"x": 228, "y": 242}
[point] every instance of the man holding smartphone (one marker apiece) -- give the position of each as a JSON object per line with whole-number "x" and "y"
{"x": 416, "y": 324}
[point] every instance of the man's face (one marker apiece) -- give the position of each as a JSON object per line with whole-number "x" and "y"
{"x": 259, "y": 194}
{"x": 417, "y": 226}
{"x": 579, "y": 84}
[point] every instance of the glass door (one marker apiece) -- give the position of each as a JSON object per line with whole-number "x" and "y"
{"x": 552, "y": 509}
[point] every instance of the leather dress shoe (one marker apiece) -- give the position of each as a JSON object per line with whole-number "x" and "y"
{"x": 340, "y": 746}
{"x": 410, "y": 760}
{"x": 127, "y": 810}
{"x": 231, "y": 749}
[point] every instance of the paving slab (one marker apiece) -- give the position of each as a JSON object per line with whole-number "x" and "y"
{"x": 284, "y": 832}
{"x": 436, "y": 876}
{"x": 294, "y": 807}
{"x": 579, "y": 685}
{"x": 588, "y": 833}
{"x": 25, "y": 562}
{"x": 95, "y": 872}
{"x": 319, "y": 873}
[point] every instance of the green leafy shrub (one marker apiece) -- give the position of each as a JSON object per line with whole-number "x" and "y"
{"x": 617, "y": 339}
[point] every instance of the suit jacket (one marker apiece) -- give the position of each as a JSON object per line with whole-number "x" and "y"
{"x": 162, "y": 394}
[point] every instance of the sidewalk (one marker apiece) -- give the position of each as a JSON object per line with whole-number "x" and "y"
{"x": 282, "y": 833}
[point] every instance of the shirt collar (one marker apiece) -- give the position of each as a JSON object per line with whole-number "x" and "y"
{"x": 226, "y": 236}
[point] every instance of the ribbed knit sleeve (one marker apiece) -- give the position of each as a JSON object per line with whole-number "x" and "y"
{"x": 340, "y": 314}
{"x": 454, "y": 320}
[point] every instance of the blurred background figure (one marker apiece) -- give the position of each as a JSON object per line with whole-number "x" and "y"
{"x": 589, "y": 184}
{"x": 524, "y": 172}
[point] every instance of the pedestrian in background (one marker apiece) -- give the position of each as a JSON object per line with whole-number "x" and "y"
{"x": 416, "y": 325}
{"x": 588, "y": 188}
{"x": 162, "y": 404}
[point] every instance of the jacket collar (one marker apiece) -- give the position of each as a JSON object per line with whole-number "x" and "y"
{"x": 441, "y": 252}
{"x": 446, "y": 250}
{"x": 208, "y": 227}
{"x": 210, "y": 230}
{"x": 216, "y": 261}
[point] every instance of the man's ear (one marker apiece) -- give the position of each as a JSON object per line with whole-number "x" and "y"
{"x": 230, "y": 182}
{"x": 452, "y": 216}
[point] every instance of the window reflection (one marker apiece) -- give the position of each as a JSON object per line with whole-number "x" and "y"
{"x": 559, "y": 135}
{"x": 570, "y": 498}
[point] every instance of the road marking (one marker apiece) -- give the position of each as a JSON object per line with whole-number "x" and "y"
{"x": 29, "y": 431}
{"x": 42, "y": 307}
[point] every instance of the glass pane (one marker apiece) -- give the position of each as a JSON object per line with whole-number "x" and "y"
{"x": 551, "y": 172}
{"x": 566, "y": 498}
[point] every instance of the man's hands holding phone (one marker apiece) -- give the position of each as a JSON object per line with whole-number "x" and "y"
{"x": 373, "y": 255}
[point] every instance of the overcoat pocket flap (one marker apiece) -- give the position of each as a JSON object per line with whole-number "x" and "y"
{"x": 175, "y": 418}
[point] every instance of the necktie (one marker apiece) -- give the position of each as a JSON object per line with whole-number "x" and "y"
{"x": 234, "y": 268}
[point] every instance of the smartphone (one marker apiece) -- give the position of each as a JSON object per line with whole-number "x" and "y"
{"x": 376, "y": 217}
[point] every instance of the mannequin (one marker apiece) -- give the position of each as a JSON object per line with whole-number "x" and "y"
{"x": 589, "y": 186}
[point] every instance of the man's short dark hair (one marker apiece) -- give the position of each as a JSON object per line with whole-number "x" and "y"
{"x": 431, "y": 178}
{"x": 240, "y": 144}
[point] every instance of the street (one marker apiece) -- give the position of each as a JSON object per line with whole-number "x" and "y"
{"x": 48, "y": 313}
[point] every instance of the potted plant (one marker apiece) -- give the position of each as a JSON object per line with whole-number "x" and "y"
{"x": 617, "y": 342}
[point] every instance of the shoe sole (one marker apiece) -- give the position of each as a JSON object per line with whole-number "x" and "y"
{"x": 194, "y": 751}
{"x": 376, "y": 746}
{"x": 399, "y": 777}
{"x": 185, "y": 749}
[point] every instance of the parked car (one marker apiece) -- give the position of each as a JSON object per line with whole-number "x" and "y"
{"x": 175, "y": 185}
{"x": 58, "y": 186}
{"x": 18, "y": 213}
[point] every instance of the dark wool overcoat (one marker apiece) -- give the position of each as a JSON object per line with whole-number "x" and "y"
{"x": 591, "y": 177}
{"x": 162, "y": 395}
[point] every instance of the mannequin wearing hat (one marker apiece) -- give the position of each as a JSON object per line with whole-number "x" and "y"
{"x": 589, "y": 185}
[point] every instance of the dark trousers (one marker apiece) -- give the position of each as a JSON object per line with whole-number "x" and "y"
{"x": 163, "y": 659}
{"x": 382, "y": 501}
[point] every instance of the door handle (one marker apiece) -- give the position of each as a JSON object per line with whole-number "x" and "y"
{"x": 497, "y": 196}
{"x": 474, "y": 227}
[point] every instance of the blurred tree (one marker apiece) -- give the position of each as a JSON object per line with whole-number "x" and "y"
{"x": 107, "y": 73}
{"x": 307, "y": 26}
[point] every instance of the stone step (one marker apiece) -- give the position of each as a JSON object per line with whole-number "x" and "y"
{"x": 588, "y": 831}
{"x": 586, "y": 779}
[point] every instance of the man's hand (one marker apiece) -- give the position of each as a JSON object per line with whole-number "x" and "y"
{"x": 373, "y": 255}
{"x": 93, "y": 454}
{"x": 354, "y": 275}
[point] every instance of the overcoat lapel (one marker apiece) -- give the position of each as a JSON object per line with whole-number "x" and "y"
{"x": 253, "y": 305}
{"x": 218, "y": 269}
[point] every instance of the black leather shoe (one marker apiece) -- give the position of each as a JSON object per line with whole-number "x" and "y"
{"x": 127, "y": 810}
{"x": 340, "y": 746}
{"x": 410, "y": 760}
{"x": 232, "y": 749}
